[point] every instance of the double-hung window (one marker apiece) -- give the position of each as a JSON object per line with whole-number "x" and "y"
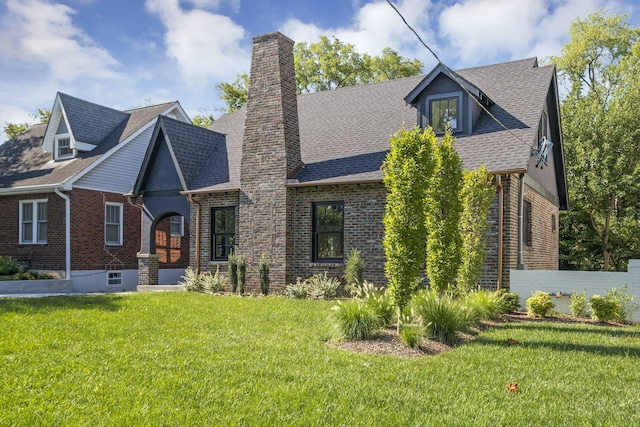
{"x": 33, "y": 221}
{"x": 328, "y": 231}
{"x": 63, "y": 147}
{"x": 113, "y": 224}
{"x": 176, "y": 225}
{"x": 223, "y": 232}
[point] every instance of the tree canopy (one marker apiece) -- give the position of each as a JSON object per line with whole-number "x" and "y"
{"x": 14, "y": 129}
{"x": 601, "y": 132}
{"x": 329, "y": 64}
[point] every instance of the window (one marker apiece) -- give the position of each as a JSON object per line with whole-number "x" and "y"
{"x": 444, "y": 111}
{"x": 543, "y": 127}
{"x": 114, "y": 278}
{"x": 328, "y": 231}
{"x": 33, "y": 222}
{"x": 224, "y": 232}
{"x": 113, "y": 224}
{"x": 526, "y": 223}
{"x": 63, "y": 147}
{"x": 176, "y": 225}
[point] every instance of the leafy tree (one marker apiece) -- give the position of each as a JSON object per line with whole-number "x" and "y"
{"x": 14, "y": 129}
{"x": 407, "y": 171}
{"x": 203, "y": 121}
{"x": 442, "y": 216}
{"x": 601, "y": 133}
{"x": 42, "y": 115}
{"x": 477, "y": 195}
{"x": 329, "y": 64}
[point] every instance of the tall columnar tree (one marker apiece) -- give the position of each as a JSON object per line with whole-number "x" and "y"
{"x": 477, "y": 195}
{"x": 329, "y": 64}
{"x": 442, "y": 216}
{"x": 600, "y": 121}
{"x": 408, "y": 168}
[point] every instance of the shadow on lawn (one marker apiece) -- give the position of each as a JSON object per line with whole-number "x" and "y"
{"x": 43, "y": 304}
{"x": 573, "y": 346}
{"x": 618, "y": 331}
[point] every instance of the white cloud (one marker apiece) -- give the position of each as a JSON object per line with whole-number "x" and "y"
{"x": 39, "y": 33}
{"x": 205, "y": 45}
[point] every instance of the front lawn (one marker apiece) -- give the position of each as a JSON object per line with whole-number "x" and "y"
{"x": 194, "y": 359}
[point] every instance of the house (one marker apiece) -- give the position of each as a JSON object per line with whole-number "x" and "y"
{"x": 62, "y": 206}
{"x": 298, "y": 177}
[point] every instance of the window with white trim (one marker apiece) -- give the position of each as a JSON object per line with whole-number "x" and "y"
{"x": 33, "y": 221}
{"x": 63, "y": 146}
{"x": 113, "y": 224}
{"x": 176, "y": 225}
{"x": 114, "y": 278}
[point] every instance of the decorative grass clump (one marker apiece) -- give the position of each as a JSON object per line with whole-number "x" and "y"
{"x": 442, "y": 316}
{"x": 486, "y": 305}
{"x": 356, "y": 320}
{"x": 378, "y": 299}
{"x": 410, "y": 335}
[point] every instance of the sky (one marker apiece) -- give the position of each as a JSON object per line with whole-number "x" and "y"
{"x": 131, "y": 53}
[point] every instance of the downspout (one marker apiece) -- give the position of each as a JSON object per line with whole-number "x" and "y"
{"x": 500, "y": 227}
{"x": 197, "y": 205}
{"x": 135, "y": 205}
{"x": 521, "y": 223}
{"x": 67, "y": 233}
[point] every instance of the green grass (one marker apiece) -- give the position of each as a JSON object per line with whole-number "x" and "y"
{"x": 178, "y": 359}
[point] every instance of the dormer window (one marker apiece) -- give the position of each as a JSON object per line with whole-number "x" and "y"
{"x": 63, "y": 147}
{"x": 445, "y": 109}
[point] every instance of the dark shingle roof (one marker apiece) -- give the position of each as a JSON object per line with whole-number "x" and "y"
{"x": 344, "y": 133}
{"x": 24, "y": 164}
{"x": 89, "y": 122}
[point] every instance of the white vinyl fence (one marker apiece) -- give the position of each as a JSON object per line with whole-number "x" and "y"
{"x": 557, "y": 283}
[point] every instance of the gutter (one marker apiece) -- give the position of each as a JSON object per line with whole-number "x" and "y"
{"x": 197, "y": 237}
{"x": 521, "y": 222}
{"x": 67, "y": 232}
{"x": 500, "y": 227}
{"x": 49, "y": 188}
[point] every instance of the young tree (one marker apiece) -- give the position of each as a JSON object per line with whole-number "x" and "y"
{"x": 600, "y": 133}
{"x": 477, "y": 195}
{"x": 407, "y": 171}
{"x": 329, "y": 64}
{"x": 442, "y": 216}
{"x": 14, "y": 129}
{"x": 203, "y": 121}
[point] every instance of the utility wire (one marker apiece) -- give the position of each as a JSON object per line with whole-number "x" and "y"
{"x": 456, "y": 79}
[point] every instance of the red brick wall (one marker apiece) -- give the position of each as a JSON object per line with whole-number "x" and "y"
{"x": 88, "y": 250}
{"x": 49, "y": 256}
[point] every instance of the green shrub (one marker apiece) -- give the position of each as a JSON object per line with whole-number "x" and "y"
{"x": 487, "y": 305}
{"x": 318, "y": 286}
{"x": 410, "y": 334}
{"x": 378, "y": 299}
{"x": 442, "y": 316}
{"x": 8, "y": 266}
{"x": 354, "y": 269}
{"x": 355, "y": 320}
{"x": 192, "y": 280}
{"x": 510, "y": 301}
{"x": 233, "y": 272}
{"x": 242, "y": 274}
{"x": 213, "y": 282}
{"x": 264, "y": 274}
{"x": 540, "y": 304}
{"x": 578, "y": 304}
{"x": 616, "y": 305}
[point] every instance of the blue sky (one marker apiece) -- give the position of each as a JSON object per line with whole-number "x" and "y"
{"x": 129, "y": 53}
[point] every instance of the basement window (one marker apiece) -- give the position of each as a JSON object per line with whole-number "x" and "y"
{"x": 114, "y": 278}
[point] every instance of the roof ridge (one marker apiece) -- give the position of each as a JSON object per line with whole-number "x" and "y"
{"x": 529, "y": 59}
{"x": 130, "y": 110}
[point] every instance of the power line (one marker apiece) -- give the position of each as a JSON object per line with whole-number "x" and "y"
{"x": 455, "y": 78}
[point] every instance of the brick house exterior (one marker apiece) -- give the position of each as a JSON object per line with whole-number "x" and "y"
{"x": 77, "y": 168}
{"x": 289, "y": 163}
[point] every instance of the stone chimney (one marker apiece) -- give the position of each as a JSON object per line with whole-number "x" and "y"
{"x": 270, "y": 155}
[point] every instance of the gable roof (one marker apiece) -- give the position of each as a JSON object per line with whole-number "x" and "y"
{"x": 24, "y": 166}
{"x": 441, "y": 69}
{"x": 344, "y": 133}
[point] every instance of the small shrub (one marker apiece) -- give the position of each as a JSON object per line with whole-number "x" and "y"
{"x": 603, "y": 308}
{"x": 487, "y": 305}
{"x": 264, "y": 274}
{"x": 540, "y": 304}
{"x": 192, "y": 281}
{"x": 233, "y": 272}
{"x": 578, "y": 304}
{"x": 242, "y": 274}
{"x": 318, "y": 286}
{"x": 213, "y": 282}
{"x": 442, "y": 316}
{"x": 354, "y": 269}
{"x": 8, "y": 266}
{"x": 378, "y": 299}
{"x": 625, "y": 302}
{"x": 410, "y": 335}
{"x": 616, "y": 305}
{"x": 510, "y": 301}
{"x": 355, "y": 320}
